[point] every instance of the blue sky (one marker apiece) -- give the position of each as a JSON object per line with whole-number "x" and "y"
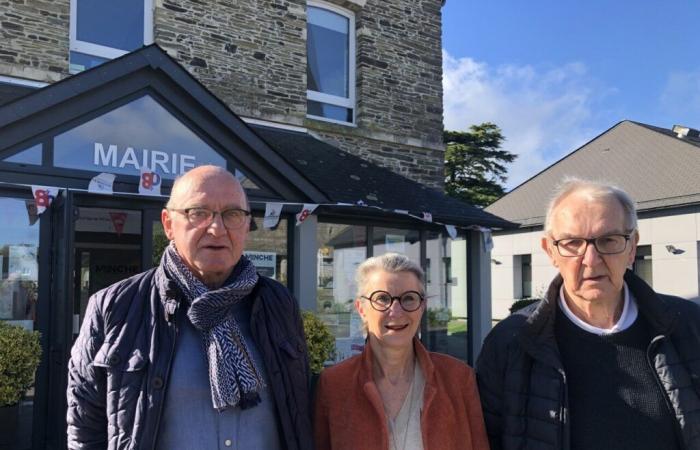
{"x": 555, "y": 74}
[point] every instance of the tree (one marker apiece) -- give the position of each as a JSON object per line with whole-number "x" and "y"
{"x": 475, "y": 164}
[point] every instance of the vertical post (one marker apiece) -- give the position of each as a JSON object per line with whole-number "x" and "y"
{"x": 478, "y": 293}
{"x": 305, "y": 269}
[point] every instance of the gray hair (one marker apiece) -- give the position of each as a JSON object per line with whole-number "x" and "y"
{"x": 388, "y": 262}
{"x": 595, "y": 190}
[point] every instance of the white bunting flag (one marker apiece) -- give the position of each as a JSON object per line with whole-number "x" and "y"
{"x": 428, "y": 217}
{"x": 306, "y": 211}
{"x": 43, "y": 196}
{"x": 486, "y": 239}
{"x": 401, "y": 211}
{"x": 272, "y": 215}
{"x": 451, "y": 230}
{"x": 149, "y": 184}
{"x": 102, "y": 183}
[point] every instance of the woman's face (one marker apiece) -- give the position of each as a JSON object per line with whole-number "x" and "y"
{"x": 394, "y": 327}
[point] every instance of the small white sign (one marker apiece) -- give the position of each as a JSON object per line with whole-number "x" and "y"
{"x": 265, "y": 262}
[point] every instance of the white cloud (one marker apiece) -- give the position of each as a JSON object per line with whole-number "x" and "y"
{"x": 544, "y": 113}
{"x": 681, "y": 97}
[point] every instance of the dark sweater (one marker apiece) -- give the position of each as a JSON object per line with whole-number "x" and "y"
{"x": 614, "y": 397}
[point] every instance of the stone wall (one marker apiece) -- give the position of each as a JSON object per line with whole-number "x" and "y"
{"x": 34, "y": 39}
{"x": 252, "y": 55}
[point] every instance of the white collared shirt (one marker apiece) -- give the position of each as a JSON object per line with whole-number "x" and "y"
{"x": 627, "y": 318}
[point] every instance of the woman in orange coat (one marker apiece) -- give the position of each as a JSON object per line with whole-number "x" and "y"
{"x": 396, "y": 395}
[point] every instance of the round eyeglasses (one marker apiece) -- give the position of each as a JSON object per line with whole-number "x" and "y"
{"x": 610, "y": 244}
{"x": 233, "y": 218}
{"x": 382, "y": 300}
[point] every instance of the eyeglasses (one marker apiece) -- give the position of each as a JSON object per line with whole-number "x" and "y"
{"x": 382, "y": 300}
{"x": 610, "y": 244}
{"x": 232, "y": 218}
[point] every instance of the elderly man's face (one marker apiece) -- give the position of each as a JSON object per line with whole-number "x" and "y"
{"x": 210, "y": 251}
{"x": 590, "y": 277}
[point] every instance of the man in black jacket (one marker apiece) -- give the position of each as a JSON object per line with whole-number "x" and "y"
{"x": 603, "y": 362}
{"x": 200, "y": 352}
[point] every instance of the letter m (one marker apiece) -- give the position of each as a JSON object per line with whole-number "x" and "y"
{"x": 105, "y": 159}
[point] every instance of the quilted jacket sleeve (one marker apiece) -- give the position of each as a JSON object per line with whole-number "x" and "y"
{"x": 489, "y": 374}
{"x": 86, "y": 416}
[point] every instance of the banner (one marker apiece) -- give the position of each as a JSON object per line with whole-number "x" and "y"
{"x": 272, "y": 215}
{"x": 43, "y": 196}
{"x": 102, "y": 183}
{"x": 306, "y": 210}
{"x": 149, "y": 183}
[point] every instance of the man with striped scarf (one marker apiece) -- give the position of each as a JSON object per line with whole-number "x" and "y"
{"x": 200, "y": 352}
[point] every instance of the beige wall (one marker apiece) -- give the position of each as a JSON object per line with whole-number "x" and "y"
{"x": 672, "y": 274}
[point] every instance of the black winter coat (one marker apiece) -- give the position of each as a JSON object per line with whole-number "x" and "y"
{"x": 119, "y": 366}
{"x": 522, "y": 383}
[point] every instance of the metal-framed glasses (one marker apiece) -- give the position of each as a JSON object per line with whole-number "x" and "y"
{"x": 610, "y": 244}
{"x": 233, "y": 218}
{"x": 382, "y": 300}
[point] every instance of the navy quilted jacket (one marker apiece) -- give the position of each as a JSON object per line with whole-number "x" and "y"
{"x": 119, "y": 366}
{"x": 522, "y": 383}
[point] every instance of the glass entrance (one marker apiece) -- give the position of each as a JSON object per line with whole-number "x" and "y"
{"x": 108, "y": 246}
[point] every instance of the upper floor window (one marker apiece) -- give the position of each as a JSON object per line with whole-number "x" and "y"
{"x": 330, "y": 70}
{"x": 104, "y": 29}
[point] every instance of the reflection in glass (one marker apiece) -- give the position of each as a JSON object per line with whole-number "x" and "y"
{"x": 112, "y": 24}
{"x": 446, "y": 287}
{"x": 328, "y": 48}
{"x": 107, "y": 250}
{"x": 341, "y": 248}
{"x": 328, "y": 111}
{"x": 267, "y": 249}
{"x": 140, "y": 133}
{"x": 19, "y": 287}
{"x": 32, "y": 155}
{"x": 81, "y": 61}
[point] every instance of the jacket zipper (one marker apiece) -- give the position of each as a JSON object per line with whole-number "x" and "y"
{"x": 562, "y": 412}
{"x": 172, "y": 324}
{"x": 669, "y": 406}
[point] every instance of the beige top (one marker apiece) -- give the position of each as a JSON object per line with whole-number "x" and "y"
{"x": 404, "y": 431}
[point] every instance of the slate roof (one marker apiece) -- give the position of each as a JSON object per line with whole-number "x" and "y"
{"x": 346, "y": 178}
{"x": 658, "y": 169}
{"x": 295, "y": 163}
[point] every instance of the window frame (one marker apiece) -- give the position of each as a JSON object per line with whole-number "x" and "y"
{"x": 103, "y": 51}
{"x": 335, "y": 100}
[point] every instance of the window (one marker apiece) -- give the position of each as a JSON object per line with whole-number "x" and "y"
{"x": 642, "y": 264}
{"x": 330, "y": 70}
{"x": 341, "y": 248}
{"x": 102, "y": 29}
{"x": 19, "y": 286}
{"x": 522, "y": 276}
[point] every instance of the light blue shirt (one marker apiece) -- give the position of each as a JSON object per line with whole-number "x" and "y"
{"x": 189, "y": 420}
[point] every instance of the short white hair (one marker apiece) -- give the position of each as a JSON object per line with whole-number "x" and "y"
{"x": 391, "y": 263}
{"x": 596, "y": 190}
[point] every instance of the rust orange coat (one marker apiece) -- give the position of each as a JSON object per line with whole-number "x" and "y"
{"x": 350, "y": 413}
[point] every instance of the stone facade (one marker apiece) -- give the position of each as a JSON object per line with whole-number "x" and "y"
{"x": 252, "y": 55}
{"x": 34, "y": 39}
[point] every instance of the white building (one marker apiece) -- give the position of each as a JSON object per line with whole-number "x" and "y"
{"x": 659, "y": 168}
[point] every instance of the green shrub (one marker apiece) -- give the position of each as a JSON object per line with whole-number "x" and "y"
{"x": 20, "y": 352}
{"x": 319, "y": 340}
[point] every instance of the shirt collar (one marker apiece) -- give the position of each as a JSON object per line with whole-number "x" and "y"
{"x": 627, "y": 318}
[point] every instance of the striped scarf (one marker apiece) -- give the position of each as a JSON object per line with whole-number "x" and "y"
{"x": 234, "y": 378}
